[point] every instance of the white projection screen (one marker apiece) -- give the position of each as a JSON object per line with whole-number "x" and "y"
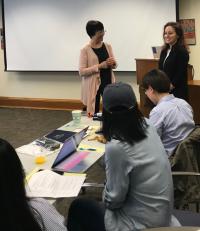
{"x": 47, "y": 35}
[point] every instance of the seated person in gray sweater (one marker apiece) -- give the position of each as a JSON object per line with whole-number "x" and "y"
{"x": 172, "y": 117}
{"x": 20, "y": 213}
{"x": 138, "y": 193}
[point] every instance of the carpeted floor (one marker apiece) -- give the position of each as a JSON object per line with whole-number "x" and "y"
{"x": 21, "y": 126}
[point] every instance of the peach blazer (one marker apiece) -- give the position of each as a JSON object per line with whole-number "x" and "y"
{"x": 88, "y": 70}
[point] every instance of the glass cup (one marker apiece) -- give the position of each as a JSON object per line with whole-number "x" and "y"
{"x": 40, "y": 157}
{"x": 76, "y": 115}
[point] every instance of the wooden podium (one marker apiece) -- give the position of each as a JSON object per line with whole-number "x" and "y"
{"x": 142, "y": 67}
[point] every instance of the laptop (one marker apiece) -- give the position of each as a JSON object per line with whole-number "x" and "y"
{"x": 156, "y": 51}
{"x": 71, "y": 160}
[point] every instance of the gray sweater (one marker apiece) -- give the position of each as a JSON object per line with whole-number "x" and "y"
{"x": 139, "y": 189}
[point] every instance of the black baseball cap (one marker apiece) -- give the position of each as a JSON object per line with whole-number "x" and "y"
{"x": 118, "y": 94}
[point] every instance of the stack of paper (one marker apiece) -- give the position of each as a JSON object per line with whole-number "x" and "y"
{"x": 47, "y": 183}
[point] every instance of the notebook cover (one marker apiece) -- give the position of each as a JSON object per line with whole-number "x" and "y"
{"x": 60, "y": 135}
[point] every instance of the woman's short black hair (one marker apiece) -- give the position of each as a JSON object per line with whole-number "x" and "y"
{"x": 93, "y": 26}
{"x": 124, "y": 124}
{"x": 158, "y": 80}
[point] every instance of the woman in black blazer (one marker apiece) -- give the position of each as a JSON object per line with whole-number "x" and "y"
{"x": 174, "y": 59}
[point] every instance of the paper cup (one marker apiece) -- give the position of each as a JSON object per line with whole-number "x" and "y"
{"x": 76, "y": 115}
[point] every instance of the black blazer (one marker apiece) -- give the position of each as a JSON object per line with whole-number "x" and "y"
{"x": 175, "y": 66}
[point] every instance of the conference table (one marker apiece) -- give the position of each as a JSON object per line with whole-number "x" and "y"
{"x": 28, "y": 161}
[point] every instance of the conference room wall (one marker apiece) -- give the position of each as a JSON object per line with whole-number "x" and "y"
{"x": 67, "y": 85}
{"x": 190, "y": 9}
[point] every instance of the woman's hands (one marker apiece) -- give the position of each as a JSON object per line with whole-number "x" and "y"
{"x": 110, "y": 62}
{"x": 102, "y": 65}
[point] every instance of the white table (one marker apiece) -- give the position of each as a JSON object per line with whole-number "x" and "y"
{"x": 28, "y": 161}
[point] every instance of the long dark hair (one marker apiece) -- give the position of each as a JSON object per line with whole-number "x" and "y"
{"x": 124, "y": 124}
{"x": 179, "y": 31}
{"x": 16, "y": 213}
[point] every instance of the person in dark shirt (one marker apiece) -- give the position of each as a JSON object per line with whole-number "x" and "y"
{"x": 174, "y": 59}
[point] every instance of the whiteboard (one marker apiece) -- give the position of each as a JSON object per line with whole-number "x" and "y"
{"x": 47, "y": 35}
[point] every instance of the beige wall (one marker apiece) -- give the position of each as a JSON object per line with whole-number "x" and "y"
{"x": 191, "y": 9}
{"x": 66, "y": 85}
{"x": 50, "y": 85}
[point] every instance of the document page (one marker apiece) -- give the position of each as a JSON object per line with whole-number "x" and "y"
{"x": 47, "y": 183}
{"x": 33, "y": 149}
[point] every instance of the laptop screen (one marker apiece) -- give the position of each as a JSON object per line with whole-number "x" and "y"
{"x": 69, "y": 146}
{"x": 79, "y": 136}
{"x": 156, "y": 51}
{"x": 67, "y": 149}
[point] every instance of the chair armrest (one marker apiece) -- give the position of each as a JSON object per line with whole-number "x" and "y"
{"x": 95, "y": 185}
{"x": 185, "y": 173}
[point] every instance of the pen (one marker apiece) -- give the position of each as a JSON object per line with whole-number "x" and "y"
{"x": 89, "y": 149}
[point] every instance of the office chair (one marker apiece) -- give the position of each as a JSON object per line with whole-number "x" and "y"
{"x": 187, "y": 218}
{"x": 185, "y": 164}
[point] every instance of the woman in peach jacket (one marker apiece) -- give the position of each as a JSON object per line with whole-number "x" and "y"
{"x": 95, "y": 67}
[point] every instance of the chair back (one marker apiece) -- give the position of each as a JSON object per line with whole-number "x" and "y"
{"x": 186, "y": 158}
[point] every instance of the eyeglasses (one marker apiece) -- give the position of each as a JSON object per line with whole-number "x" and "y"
{"x": 145, "y": 90}
{"x": 102, "y": 32}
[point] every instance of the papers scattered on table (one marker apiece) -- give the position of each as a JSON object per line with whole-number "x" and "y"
{"x": 47, "y": 183}
{"x": 34, "y": 150}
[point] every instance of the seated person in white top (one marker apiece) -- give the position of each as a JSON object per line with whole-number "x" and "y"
{"x": 172, "y": 117}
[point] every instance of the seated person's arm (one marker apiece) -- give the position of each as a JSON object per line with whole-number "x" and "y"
{"x": 156, "y": 119}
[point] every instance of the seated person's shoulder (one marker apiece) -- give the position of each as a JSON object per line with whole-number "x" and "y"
{"x": 115, "y": 148}
{"x": 114, "y": 145}
{"x": 158, "y": 111}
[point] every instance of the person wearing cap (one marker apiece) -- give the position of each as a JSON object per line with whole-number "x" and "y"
{"x": 138, "y": 192}
{"x": 96, "y": 62}
{"x": 172, "y": 117}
